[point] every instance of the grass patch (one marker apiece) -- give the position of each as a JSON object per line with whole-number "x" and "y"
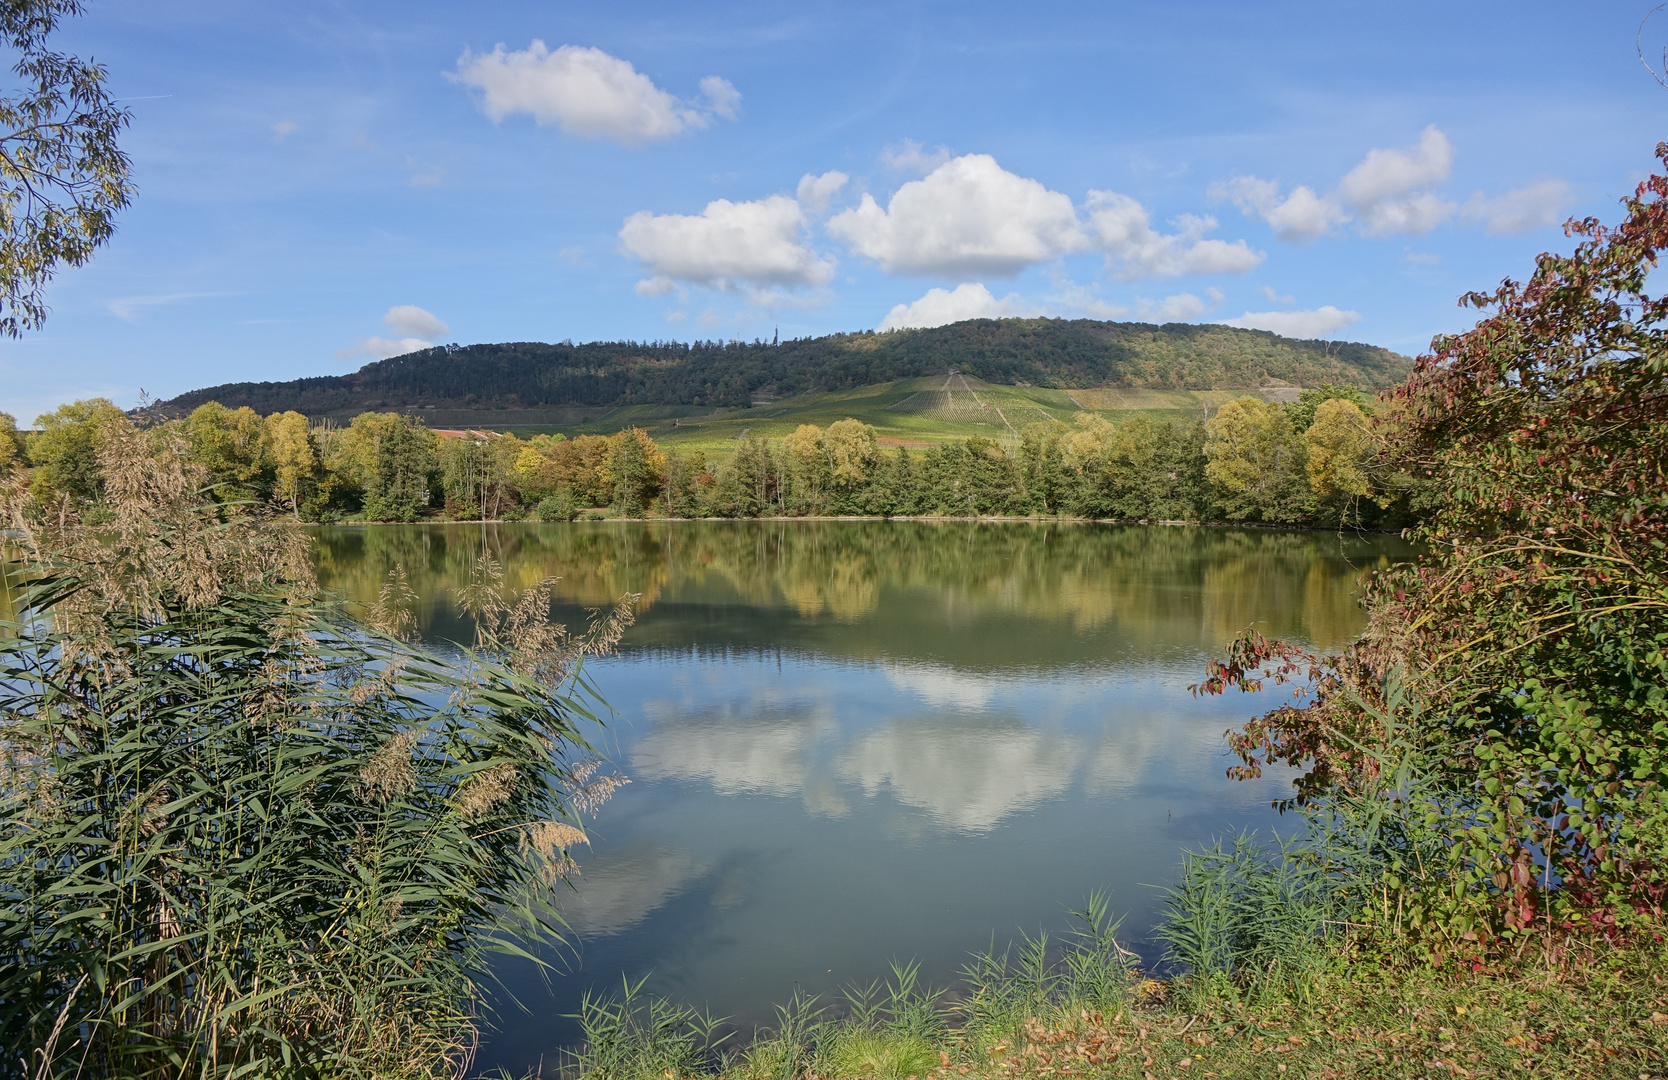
{"x": 1078, "y": 1007}
{"x": 1604, "y": 1018}
{"x": 882, "y": 1055}
{"x": 1586, "y": 1018}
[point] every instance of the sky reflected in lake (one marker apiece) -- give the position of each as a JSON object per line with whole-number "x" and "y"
{"x": 857, "y": 742}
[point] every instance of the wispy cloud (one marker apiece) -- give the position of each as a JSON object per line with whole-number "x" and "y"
{"x": 130, "y": 307}
{"x": 1318, "y": 323}
{"x": 910, "y": 156}
{"x": 1393, "y": 192}
{"x": 426, "y": 176}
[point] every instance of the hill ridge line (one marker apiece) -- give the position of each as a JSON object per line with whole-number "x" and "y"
{"x": 1059, "y": 354}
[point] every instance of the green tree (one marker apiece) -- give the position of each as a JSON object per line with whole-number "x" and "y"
{"x": 390, "y": 460}
{"x": 406, "y": 461}
{"x": 62, "y": 176}
{"x": 1302, "y": 411}
{"x": 681, "y": 493}
{"x": 637, "y": 467}
{"x": 808, "y": 469}
{"x": 11, "y": 444}
{"x": 944, "y": 480}
{"x": 227, "y": 443}
{"x": 1044, "y": 465}
{"x": 1156, "y": 470}
{"x": 65, "y": 449}
{"x": 1256, "y": 461}
{"x": 896, "y": 487}
{"x": 991, "y": 480}
{"x": 746, "y": 484}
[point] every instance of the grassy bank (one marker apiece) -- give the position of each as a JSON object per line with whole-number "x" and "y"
{"x": 1589, "y": 1016}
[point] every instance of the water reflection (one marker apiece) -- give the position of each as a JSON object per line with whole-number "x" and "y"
{"x": 765, "y": 750}
{"x": 857, "y": 742}
{"x": 967, "y": 775}
{"x": 620, "y": 888}
{"x": 925, "y": 590}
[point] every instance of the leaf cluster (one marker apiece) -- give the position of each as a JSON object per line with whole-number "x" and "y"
{"x": 62, "y": 176}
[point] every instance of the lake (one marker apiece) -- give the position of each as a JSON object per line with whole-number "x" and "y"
{"x": 851, "y": 743}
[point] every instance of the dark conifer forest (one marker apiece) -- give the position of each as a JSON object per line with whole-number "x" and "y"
{"x": 1068, "y": 354}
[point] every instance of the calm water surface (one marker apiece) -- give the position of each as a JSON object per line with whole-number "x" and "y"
{"x": 858, "y": 742}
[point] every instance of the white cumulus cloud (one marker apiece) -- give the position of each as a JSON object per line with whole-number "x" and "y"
{"x": 382, "y": 348}
{"x": 1298, "y": 218}
{"x": 1390, "y": 192}
{"x": 1410, "y": 215}
{"x": 816, "y": 192}
{"x": 587, "y": 92}
{"x": 413, "y": 321}
{"x": 728, "y": 244}
{"x": 940, "y": 307}
{"x": 1318, "y": 323}
{"x": 1135, "y": 250}
{"x": 967, "y": 216}
{"x": 1532, "y": 206}
{"x": 1386, "y": 174}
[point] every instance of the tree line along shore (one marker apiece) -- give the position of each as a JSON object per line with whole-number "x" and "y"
{"x": 1315, "y": 461}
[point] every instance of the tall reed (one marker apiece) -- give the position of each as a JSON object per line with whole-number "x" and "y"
{"x": 242, "y": 834}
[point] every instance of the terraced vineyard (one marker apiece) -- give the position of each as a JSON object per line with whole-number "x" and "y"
{"x": 908, "y": 412}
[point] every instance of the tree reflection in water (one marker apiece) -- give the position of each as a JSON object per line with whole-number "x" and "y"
{"x": 853, "y": 742}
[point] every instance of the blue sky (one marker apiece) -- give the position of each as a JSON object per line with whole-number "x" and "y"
{"x": 324, "y": 183}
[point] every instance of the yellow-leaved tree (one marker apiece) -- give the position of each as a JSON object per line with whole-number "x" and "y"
{"x": 853, "y": 451}
{"x": 1255, "y": 461}
{"x": 289, "y": 447}
{"x": 1342, "y": 450}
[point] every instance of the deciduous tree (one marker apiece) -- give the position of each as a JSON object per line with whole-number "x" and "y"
{"x": 288, "y": 445}
{"x": 65, "y": 449}
{"x": 62, "y": 176}
{"x": 1256, "y": 461}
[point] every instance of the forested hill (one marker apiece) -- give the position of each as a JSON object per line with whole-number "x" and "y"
{"x": 1072, "y": 354}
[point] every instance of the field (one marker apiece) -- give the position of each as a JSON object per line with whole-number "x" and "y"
{"x": 908, "y": 412}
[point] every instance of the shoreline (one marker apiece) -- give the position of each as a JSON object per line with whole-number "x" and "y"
{"x": 985, "y": 519}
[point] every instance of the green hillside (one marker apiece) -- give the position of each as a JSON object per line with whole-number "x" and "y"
{"x": 531, "y": 384}
{"x": 907, "y": 412}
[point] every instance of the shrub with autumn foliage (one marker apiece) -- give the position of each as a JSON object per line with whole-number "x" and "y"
{"x": 1522, "y": 664}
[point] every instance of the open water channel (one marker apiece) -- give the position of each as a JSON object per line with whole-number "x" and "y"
{"x": 851, "y": 743}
